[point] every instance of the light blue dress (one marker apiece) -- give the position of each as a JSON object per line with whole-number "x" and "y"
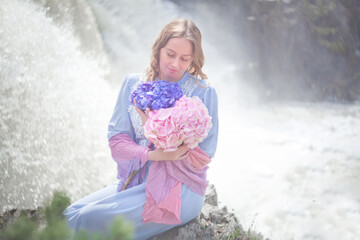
{"x": 95, "y": 212}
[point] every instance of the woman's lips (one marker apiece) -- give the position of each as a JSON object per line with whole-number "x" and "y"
{"x": 172, "y": 70}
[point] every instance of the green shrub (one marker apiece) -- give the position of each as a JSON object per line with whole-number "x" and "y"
{"x": 56, "y": 227}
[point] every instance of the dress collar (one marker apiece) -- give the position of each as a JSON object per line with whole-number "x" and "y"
{"x": 182, "y": 80}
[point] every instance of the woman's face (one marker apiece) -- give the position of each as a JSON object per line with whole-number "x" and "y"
{"x": 175, "y": 58}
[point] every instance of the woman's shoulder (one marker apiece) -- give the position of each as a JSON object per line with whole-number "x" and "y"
{"x": 132, "y": 79}
{"x": 204, "y": 88}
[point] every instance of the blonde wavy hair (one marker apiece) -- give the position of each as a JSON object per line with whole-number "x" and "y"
{"x": 178, "y": 28}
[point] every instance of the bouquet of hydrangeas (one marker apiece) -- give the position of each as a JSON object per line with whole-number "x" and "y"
{"x": 156, "y": 95}
{"x": 188, "y": 122}
{"x": 173, "y": 120}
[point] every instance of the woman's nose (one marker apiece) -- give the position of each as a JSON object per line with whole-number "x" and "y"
{"x": 176, "y": 62}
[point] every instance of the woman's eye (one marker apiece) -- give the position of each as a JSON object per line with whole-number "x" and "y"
{"x": 185, "y": 60}
{"x": 171, "y": 55}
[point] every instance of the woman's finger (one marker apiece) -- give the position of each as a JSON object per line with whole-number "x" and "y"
{"x": 143, "y": 116}
{"x": 182, "y": 149}
{"x": 136, "y": 107}
{"x": 138, "y": 110}
{"x": 183, "y": 152}
{"x": 134, "y": 101}
{"x": 184, "y": 155}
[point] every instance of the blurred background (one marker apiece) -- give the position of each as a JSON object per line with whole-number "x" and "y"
{"x": 287, "y": 77}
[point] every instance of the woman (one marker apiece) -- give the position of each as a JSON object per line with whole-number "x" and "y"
{"x": 168, "y": 187}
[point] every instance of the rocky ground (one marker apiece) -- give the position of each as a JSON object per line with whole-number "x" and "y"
{"x": 212, "y": 223}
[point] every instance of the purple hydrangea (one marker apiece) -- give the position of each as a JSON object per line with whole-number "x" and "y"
{"x": 156, "y": 95}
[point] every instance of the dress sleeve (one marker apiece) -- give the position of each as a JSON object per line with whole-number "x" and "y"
{"x": 128, "y": 155}
{"x": 123, "y": 148}
{"x": 210, "y": 100}
{"x": 198, "y": 158}
{"x": 120, "y": 121}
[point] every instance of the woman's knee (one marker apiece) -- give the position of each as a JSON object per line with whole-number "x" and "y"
{"x": 89, "y": 218}
{"x": 198, "y": 205}
{"x": 193, "y": 207}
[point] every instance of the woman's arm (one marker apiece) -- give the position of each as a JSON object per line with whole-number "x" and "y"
{"x": 159, "y": 154}
{"x": 124, "y": 148}
{"x": 198, "y": 158}
{"x": 121, "y": 133}
{"x": 120, "y": 121}
{"x": 209, "y": 144}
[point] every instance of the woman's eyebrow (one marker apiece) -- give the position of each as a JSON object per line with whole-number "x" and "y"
{"x": 170, "y": 50}
{"x": 186, "y": 55}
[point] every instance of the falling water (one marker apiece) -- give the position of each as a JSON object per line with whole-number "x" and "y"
{"x": 288, "y": 170}
{"x": 54, "y": 109}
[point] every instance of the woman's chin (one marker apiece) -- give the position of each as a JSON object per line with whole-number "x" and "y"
{"x": 170, "y": 78}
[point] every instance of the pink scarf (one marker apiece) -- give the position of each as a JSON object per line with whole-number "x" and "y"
{"x": 164, "y": 180}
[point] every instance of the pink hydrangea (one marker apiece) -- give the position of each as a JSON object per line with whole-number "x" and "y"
{"x": 188, "y": 122}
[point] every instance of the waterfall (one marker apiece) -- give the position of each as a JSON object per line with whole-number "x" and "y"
{"x": 54, "y": 106}
{"x": 287, "y": 169}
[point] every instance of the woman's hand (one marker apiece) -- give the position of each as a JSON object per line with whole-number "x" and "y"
{"x": 143, "y": 115}
{"x": 159, "y": 154}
